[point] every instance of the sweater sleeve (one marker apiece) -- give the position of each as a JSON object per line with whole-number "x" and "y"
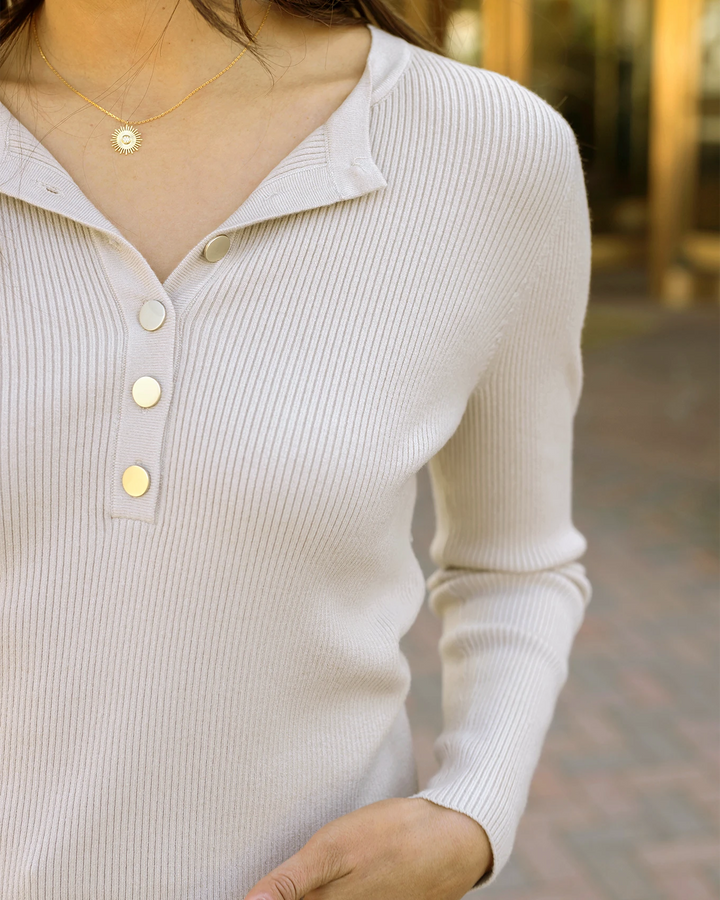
{"x": 509, "y": 588}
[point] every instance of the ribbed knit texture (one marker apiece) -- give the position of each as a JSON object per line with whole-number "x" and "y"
{"x": 194, "y": 681}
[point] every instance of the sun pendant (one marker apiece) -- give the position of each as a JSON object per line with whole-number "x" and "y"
{"x": 126, "y": 139}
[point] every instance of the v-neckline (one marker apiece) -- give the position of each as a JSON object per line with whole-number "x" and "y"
{"x": 339, "y": 166}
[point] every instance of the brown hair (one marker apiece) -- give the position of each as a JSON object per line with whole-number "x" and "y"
{"x": 14, "y": 16}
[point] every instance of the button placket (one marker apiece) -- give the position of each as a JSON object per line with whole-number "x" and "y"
{"x": 150, "y": 336}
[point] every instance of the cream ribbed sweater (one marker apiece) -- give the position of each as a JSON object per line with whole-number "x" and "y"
{"x": 193, "y": 681}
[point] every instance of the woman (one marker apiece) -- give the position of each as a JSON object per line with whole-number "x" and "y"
{"x": 236, "y": 320}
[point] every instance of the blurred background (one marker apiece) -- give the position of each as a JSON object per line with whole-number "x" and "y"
{"x": 625, "y": 804}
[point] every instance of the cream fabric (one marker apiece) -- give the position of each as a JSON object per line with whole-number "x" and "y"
{"x": 192, "y": 682}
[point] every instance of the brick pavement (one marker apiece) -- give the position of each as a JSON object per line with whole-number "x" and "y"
{"x": 625, "y": 801}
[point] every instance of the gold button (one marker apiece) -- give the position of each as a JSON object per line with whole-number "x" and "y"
{"x": 146, "y": 392}
{"x": 216, "y": 248}
{"x": 135, "y": 481}
{"x": 151, "y": 315}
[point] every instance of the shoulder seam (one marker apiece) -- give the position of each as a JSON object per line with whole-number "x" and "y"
{"x": 501, "y": 339}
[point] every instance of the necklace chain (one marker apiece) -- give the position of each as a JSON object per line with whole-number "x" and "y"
{"x": 152, "y": 118}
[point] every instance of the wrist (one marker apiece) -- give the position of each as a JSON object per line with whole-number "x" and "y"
{"x": 466, "y": 835}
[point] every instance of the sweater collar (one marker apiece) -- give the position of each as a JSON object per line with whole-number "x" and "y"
{"x": 332, "y": 164}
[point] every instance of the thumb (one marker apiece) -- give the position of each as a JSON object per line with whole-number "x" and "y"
{"x": 315, "y": 864}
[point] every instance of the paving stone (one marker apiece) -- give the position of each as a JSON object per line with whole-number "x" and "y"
{"x": 610, "y": 794}
{"x": 686, "y": 886}
{"x": 676, "y": 814}
{"x": 549, "y": 859}
{"x": 712, "y": 876}
{"x": 621, "y": 877}
{"x": 682, "y": 852}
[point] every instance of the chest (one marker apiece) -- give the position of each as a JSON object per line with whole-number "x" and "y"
{"x": 295, "y": 373}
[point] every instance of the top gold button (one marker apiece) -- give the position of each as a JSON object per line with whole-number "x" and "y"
{"x": 151, "y": 315}
{"x": 216, "y": 248}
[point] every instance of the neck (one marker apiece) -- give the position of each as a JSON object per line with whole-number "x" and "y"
{"x": 139, "y": 54}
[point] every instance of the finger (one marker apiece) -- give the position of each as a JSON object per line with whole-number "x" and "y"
{"x": 317, "y": 863}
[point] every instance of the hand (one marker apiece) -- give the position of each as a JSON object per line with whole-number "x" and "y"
{"x": 399, "y": 849}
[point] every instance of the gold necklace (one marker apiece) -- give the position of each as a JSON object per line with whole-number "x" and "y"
{"x": 127, "y": 138}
